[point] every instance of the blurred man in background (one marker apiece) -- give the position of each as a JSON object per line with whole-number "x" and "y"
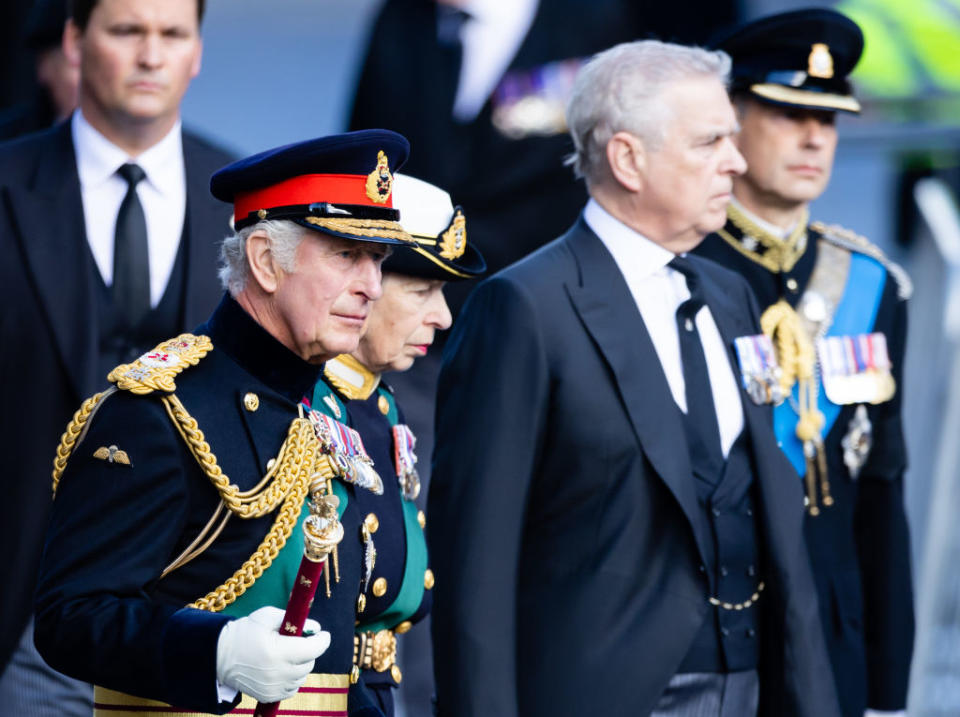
{"x": 55, "y": 94}
{"x": 110, "y": 238}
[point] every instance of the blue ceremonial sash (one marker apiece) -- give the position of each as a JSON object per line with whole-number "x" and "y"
{"x": 855, "y": 315}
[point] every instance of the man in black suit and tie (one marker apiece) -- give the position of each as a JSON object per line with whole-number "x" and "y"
{"x": 109, "y": 238}
{"x": 614, "y": 529}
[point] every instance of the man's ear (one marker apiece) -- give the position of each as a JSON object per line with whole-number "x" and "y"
{"x": 626, "y": 157}
{"x": 70, "y": 43}
{"x": 263, "y": 266}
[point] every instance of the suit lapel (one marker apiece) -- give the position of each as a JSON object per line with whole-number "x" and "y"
{"x": 204, "y": 227}
{"x": 608, "y": 311}
{"x": 48, "y": 221}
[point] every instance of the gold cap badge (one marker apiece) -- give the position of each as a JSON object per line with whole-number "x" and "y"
{"x": 380, "y": 181}
{"x": 820, "y": 62}
{"x": 453, "y": 242}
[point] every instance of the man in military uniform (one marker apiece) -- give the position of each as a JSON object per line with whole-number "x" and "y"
{"x": 178, "y": 522}
{"x": 835, "y": 309}
{"x": 398, "y": 582}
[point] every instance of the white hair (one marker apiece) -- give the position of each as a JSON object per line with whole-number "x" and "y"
{"x": 618, "y": 90}
{"x": 285, "y": 236}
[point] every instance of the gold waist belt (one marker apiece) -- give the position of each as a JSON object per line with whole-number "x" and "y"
{"x": 321, "y": 696}
{"x": 375, "y": 651}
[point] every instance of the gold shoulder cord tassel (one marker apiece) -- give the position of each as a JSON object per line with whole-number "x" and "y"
{"x": 797, "y": 359}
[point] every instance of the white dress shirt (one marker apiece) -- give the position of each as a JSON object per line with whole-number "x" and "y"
{"x": 162, "y": 193}
{"x": 658, "y": 291}
{"x": 491, "y": 37}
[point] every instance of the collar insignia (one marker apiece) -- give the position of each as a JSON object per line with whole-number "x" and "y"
{"x": 820, "y": 62}
{"x": 453, "y": 242}
{"x": 380, "y": 181}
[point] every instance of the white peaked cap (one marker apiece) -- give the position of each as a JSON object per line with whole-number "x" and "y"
{"x": 425, "y": 210}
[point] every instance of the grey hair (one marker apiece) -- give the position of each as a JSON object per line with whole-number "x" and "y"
{"x": 617, "y": 90}
{"x": 285, "y": 237}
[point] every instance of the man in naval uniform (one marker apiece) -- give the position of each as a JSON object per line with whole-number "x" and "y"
{"x": 178, "y": 519}
{"x": 835, "y": 308}
{"x": 404, "y": 322}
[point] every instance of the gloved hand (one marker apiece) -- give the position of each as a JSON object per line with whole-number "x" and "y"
{"x": 254, "y": 658}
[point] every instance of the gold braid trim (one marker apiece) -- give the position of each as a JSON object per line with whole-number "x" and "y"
{"x": 299, "y": 468}
{"x": 797, "y": 359}
{"x": 155, "y": 370}
{"x": 297, "y": 454}
{"x": 71, "y": 436}
{"x": 363, "y": 227}
{"x": 781, "y": 255}
{"x": 248, "y": 573}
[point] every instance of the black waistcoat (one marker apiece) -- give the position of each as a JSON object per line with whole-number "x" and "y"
{"x": 118, "y": 344}
{"x": 728, "y": 639}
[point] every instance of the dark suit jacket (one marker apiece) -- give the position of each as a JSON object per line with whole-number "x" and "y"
{"x": 563, "y": 519}
{"x": 48, "y": 331}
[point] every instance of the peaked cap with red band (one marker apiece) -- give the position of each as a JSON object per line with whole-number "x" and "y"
{"x": 340, "y": 185}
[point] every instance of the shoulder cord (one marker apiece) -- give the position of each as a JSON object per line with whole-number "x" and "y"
{"x": 300, "y": 465}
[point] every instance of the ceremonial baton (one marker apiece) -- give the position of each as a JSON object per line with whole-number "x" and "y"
{"x": 322, "y": 531}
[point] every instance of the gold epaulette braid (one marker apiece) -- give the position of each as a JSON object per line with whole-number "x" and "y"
{"x": 71, "y": 435}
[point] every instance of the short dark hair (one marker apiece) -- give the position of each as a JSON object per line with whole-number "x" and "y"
{"x": 79, "y": 11}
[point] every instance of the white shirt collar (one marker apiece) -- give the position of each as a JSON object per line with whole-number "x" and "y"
{"x": 637, "y": 257}
{"x": 98, "y": 158}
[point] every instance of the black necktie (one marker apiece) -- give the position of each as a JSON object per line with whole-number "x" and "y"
{"x": 131, "y": 263}
{"x": 700, "y": 421}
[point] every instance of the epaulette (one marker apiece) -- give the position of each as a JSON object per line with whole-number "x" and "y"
{"x": 848, "y": 239}
{"x": 156, "y": 369}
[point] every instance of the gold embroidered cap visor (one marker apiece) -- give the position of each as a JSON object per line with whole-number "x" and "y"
{"x": 448, "y": 257}
{"x": 340, "y": 185}
{"x": 796, "y": 59}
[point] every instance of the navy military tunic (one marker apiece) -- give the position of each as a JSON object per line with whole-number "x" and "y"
{"x": 859, "y": 546}
{"x": 104, "y": 614}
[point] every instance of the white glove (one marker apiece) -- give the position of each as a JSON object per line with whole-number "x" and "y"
{"x": 879, "y": 713}
{"x": 254, "y": 658}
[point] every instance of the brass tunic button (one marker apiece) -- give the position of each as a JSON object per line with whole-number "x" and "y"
{"x": 372, "y": 522}
{"x": 396, "y": 674}
{"x": 428, "y": 579}
{"x": 403, "y": 627}
{"x": 379, "y": 587}
{"x": 271, "y": 463}
{"x": 422, "y": 519}
{"x": 383, "y": 404}
{"x": 251, "y": 402}
{"x": 792, "y": 284}
{"x": 361, "y": 603}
